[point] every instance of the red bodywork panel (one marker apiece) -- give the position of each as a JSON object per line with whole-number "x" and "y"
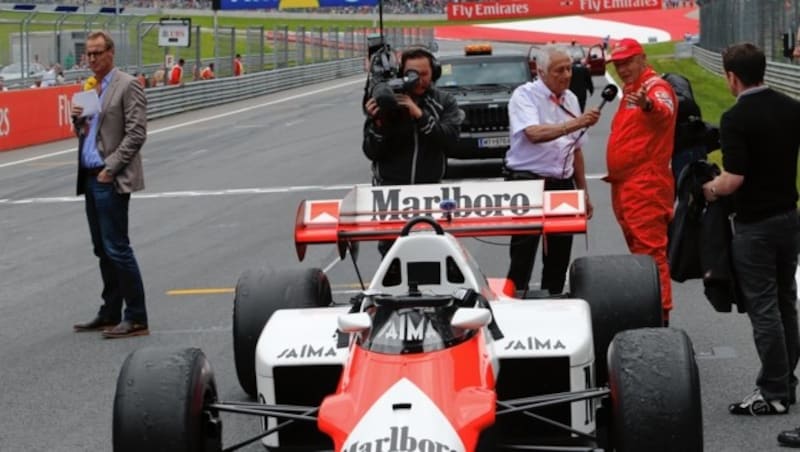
{"x": 458, "y": 380}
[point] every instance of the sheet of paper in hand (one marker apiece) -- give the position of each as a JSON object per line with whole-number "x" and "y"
{"x": 89, "y": 101}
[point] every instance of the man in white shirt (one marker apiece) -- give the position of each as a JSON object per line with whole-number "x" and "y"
{"x": 546, "y": 139}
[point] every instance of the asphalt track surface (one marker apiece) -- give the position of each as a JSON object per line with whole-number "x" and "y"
{"x": 222, "y": 188}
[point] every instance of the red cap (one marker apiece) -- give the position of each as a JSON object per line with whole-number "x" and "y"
{"x": 624, "y": 49}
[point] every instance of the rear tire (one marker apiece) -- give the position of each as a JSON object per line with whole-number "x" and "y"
{"x": 623, "y": 292}
{"x": 161, "y": 403}
{"x": 261, "y": 292}
{"x": 655, "y": 392}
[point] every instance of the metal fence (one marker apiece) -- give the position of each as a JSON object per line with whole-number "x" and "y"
{"x": 171, "y": 100}
{"x": 762, "y": 22}
{"x": 780, "y": 76}
{"x": 37, "y": 39}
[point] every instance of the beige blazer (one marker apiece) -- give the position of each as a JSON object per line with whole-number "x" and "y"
{"x": 121, "y": 133}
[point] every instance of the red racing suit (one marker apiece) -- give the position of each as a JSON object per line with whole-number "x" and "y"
{"x": 642, "y": 187}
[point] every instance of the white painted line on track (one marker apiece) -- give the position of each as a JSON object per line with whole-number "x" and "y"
{"x": 188, "y": 194}
{"x": 207, "y": 193}
{"x": 195, "y": 121}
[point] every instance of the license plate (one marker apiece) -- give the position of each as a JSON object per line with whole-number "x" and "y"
{"x": 493, "y": 142}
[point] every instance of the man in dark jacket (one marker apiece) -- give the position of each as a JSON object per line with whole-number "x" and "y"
{"x": 408, "y": 143}
{"x": 581, "y": 82}
{"x": 759, "y": 154}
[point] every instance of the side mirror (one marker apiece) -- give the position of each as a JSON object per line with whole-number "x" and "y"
{"x": 354, "y": 323}
{"x": 471, "y": 318}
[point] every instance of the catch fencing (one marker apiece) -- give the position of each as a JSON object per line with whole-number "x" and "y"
{"x": 44, "y": 36}
{"x": 762, "y": 22}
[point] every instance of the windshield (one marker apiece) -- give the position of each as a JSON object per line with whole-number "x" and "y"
{"x": 468, "y": 73}
{"x": 397, "y": 330}
{"x": 576, "y": 53}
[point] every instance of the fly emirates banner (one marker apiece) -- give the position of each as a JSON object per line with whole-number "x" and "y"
{"x": 510, "y": 9}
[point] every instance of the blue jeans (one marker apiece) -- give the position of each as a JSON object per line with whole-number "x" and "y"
{"x": 107, "y": 213}
{"x": 765, "y": 259}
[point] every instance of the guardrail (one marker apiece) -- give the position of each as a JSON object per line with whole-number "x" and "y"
{"x": 34, "y": 116}
{"x": 169, "y": 100}
{"x": 779, "y": 76}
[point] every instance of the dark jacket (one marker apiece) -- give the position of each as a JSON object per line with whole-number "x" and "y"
{"x": 581, "y": 82}
{"x": 408, "y": 151}
{"x": 700, "y": 238}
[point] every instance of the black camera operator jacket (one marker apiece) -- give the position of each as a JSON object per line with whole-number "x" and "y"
{"x": 407, "y": 151}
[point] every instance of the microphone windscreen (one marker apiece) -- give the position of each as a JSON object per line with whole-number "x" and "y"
{"x": 610, "y": 92}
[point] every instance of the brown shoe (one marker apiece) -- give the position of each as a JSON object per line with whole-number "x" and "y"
{"x": 96, "y": 324}
{"x": 126, "y": 328}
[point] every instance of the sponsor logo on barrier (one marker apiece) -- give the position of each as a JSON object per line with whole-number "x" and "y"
{"x": 399, "y": 440}
{"x": 479, "y": 10}
{"x": 64, "y": 111}
{"x": 388, "y": 205}
{"x": 613, "y": 5}
{"x": 541, "y": 8}
{"x": 5, "y": 122}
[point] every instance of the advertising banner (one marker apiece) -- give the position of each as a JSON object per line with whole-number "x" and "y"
{"x": 519, "y": 9}
{"x": 289, "y": 4}
{"x": 36, "y": 115}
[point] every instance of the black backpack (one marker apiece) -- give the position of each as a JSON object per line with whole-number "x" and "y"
{"x": 689, "y": 128}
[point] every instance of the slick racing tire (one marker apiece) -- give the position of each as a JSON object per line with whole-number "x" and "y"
{"x": 261, "y": 292}
{"x": 623, "y": 293}
{"x": 162, "y": 403}
{"x": 655, "y": 392}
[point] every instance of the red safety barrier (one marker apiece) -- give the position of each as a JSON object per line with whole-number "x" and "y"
{"x": 516, "y": 9}
{"x": 35, "y": 115}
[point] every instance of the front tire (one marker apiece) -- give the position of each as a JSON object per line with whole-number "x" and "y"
{"x": 162, "y": 403}
{"x": 655, "y": 392}
{"x": 261, "y": 292}
{"x": 623, "y": 293}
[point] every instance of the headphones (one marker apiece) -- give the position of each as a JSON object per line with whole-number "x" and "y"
{"x": 416, "y": 52}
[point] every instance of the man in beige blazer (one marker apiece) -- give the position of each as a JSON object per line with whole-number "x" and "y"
{"x": 109, "y": 170}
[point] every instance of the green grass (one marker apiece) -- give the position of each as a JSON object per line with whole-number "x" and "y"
{"x": 710, "y": 90}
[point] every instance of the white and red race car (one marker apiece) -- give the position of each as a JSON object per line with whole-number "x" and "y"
{"x": 432, "y": 356}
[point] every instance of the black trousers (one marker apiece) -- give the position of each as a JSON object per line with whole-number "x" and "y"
{"x": 556, "y": 256}
{"x": 764, "y": 257}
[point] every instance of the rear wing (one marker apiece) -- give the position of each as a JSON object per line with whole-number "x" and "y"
{"x": 463, "y": 209}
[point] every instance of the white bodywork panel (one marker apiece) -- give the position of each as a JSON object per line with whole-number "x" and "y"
{"x": 531, "y": 328}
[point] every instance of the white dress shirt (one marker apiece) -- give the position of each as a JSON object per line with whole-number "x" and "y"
{"x": 534, "y": 104}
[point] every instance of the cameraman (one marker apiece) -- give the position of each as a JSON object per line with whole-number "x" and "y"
{"x": 408, "y": 137}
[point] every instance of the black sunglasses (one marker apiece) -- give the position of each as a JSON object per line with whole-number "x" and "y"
{"x": 96, "y": 54}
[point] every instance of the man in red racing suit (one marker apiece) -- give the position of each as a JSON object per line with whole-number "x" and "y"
{"x": 638, "y": 159}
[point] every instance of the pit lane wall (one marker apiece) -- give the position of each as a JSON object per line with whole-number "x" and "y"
{"x": 35, "y": 116}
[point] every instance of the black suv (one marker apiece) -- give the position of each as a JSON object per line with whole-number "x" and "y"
{"x": 482, "y": 84}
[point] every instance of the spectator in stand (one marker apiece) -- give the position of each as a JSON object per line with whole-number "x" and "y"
{"x": 176, "y": 73}
{"x": 37, "y": 82}
{"x": 238, "y": 67}
{"x": 3, "y": 86}
{"x": 142, "y": 79}
{"x": 208, "y": 72}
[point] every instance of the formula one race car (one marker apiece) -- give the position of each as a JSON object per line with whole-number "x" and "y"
{"x": 432, "y": 356}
